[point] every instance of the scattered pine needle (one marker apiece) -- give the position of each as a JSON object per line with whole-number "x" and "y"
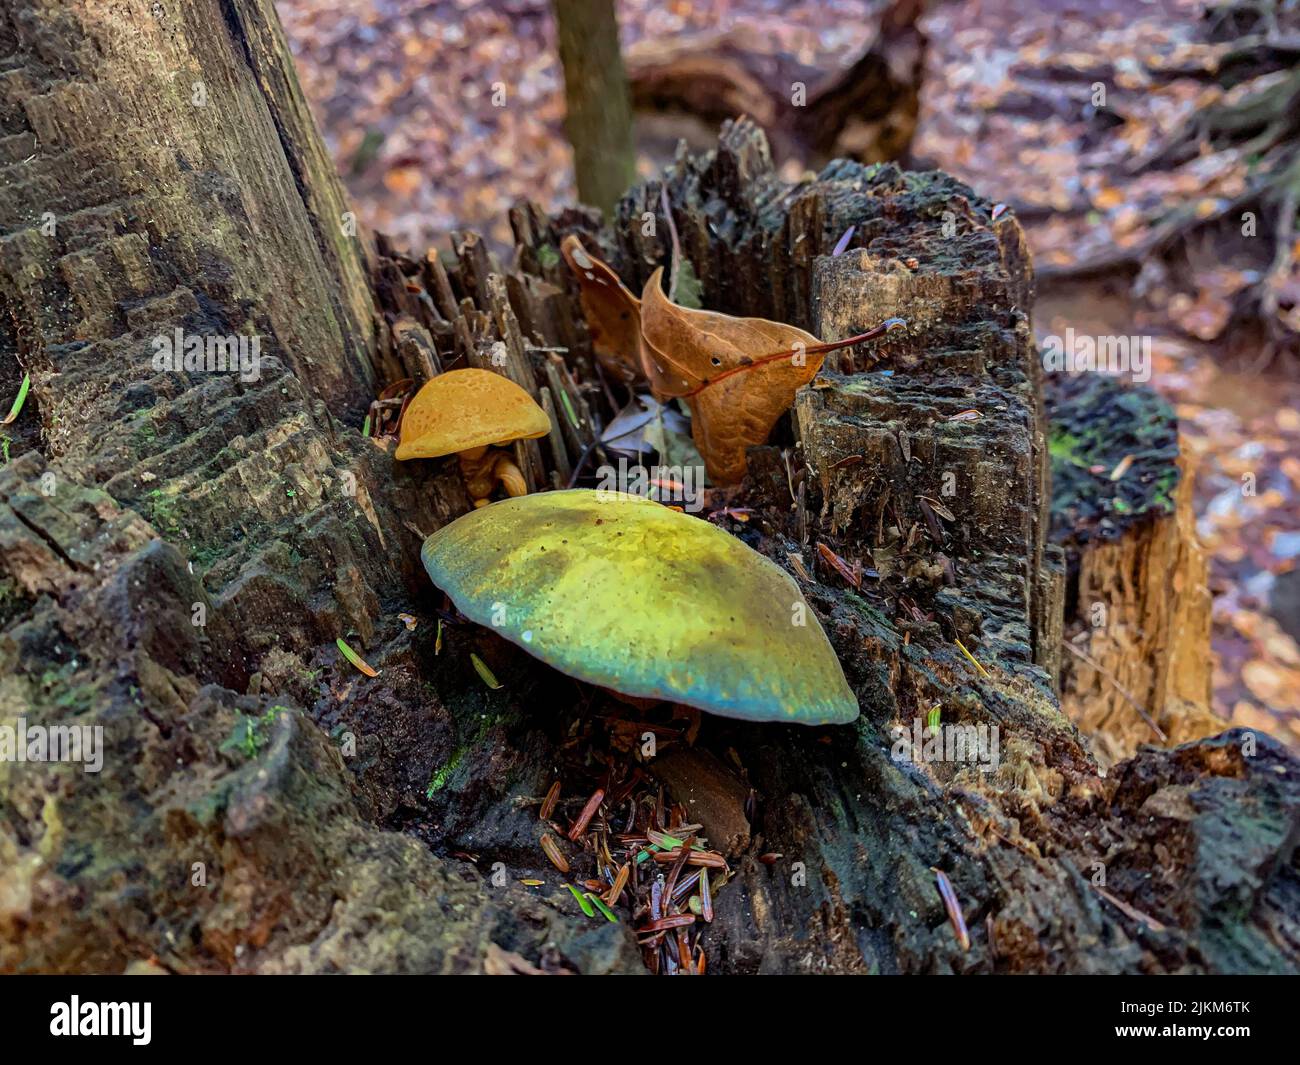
{"x": 599, "y": 903}
{"x": 843, "y": 242}
{"x": 548, "y": 803}
{"x": 1130, "y": 911}
{"x": 953, "y": 906}
{"x": 355, "y": 658}
{"x": 587, "y": 907}
{"x": 962, "y": 648}
{"x": 19, "y": 400}
{"x": 552, "y": 851}
{"x": 588, "y": 812}
{"x": 1108, "y": 675}
{"x": 799, "y": 568}
{"x": 851, "y": 574}
{"x": 481, "y": 667}
{"x": 569, "y": 412}
{"x": 620, "y": 882}
{"x": 437, "y": 643}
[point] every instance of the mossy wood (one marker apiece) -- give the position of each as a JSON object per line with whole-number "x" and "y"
{"x": 326, "y": 808}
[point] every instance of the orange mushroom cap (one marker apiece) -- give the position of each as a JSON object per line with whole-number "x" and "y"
{"x": 465, "y": 409}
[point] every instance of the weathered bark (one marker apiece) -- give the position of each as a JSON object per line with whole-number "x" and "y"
{"x": 183, "y": 582}
{"x": 181, "y": 547}
{"x": 1137, "y": 607}
{"x": 598, "y": 106}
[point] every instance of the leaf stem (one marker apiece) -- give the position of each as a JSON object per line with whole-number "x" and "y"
{"x": 812, "y": 349}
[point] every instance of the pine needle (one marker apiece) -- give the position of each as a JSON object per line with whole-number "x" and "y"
{"x": 962, "y": 648}
{"x": 599, "y": 903}
{"x": 19, "y": 400}
{"x": 582, "y": 901}
{"x": 355, "y": 658}
{"x": 481, "y": 667}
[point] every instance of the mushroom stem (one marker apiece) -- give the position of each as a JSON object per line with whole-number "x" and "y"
{"x": 477, "y": 466}
{"x": 510, "y": 476}
{"x": 483, "y": 467}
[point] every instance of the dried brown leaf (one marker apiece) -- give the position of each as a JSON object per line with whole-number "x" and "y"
{"x": 613, "y": 314}
{"x": 699, "y": 355}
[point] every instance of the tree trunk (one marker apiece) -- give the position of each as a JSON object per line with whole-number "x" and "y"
{"x": 598, "y": 117}
{"x": 180, "y": 550}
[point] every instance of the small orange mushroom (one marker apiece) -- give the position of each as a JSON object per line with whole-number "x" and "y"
{"x": 464, "y": 413}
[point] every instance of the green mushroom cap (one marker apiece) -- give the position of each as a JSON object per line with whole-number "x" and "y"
{"x": 620, "y": 591}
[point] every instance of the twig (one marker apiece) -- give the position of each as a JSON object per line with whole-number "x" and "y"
{"x": 1130, "y": 911}
{"x": 676, "y": 263}
{"x": 1119, "y": 688}
{"x": 582, "y": 461}
{"x": 811, "y": 349}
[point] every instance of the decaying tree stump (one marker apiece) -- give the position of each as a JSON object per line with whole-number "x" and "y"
{"x": 179, "y": 551}
{"x": 1137, "y": 601}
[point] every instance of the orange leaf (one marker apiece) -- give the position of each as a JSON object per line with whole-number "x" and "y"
{"x": 737, "y": 375}
{"x": 613, "y": 314}
{"x": 684, "y": 351}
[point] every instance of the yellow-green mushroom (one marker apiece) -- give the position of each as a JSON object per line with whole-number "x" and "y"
{"x": 464, "y": 413}
{"x": 622, "y": 592}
